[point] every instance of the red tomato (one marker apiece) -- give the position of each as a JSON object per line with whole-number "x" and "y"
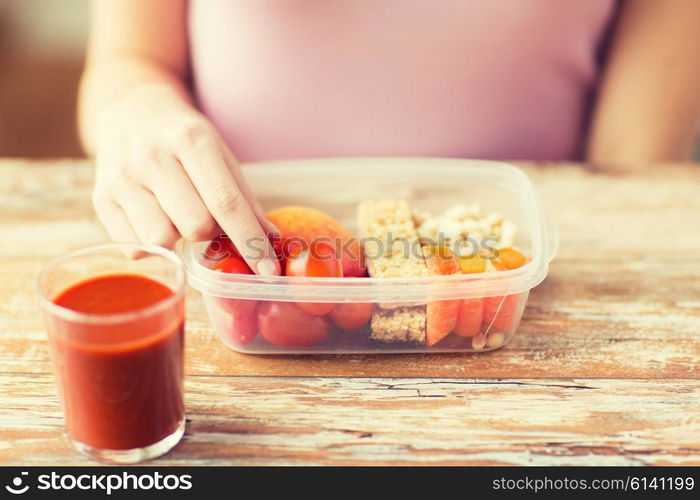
{"x": 240, "y": 329}
{"x": 351, "y": 316}
{"x": 218, "y": 250}
{"x": 237, "y": 306}
{"x": 319, "y": 261}
{"x": 234, "y": 264}
{"x": 284, "y": 247}
{"x": 285, "y": 324}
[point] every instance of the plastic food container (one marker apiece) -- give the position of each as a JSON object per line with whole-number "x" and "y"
{"x": 335, "y": 186}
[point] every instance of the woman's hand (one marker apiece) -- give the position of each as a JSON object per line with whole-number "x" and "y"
{"x": 163, "y": 172}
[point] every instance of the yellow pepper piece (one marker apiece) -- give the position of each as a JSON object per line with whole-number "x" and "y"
{"x": 471, "y": 264}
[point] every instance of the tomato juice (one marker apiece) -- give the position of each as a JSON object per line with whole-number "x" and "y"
{"x": 119, "y": 360}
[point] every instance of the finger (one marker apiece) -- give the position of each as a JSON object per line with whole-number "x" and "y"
{"x": 150, "y": 223}
{"x": 181, "y": 202}
{"x": 272, "y": 231}
{"x": 237, "y": 172}
{"x": 205, "y": 166}
{"x": 115, "y": 221}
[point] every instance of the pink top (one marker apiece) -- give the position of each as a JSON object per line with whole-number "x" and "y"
{"x": 505, "y": 79}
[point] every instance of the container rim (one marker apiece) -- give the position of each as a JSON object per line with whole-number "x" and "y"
{"x": 352, "y": 289}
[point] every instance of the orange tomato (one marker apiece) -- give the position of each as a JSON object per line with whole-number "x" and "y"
{"x": 308, "y": 225}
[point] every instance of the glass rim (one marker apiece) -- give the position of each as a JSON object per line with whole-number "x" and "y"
{"x": 118, "y": 317}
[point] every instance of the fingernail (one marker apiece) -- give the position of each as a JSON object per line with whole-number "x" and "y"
{"x": 267, "y": 268}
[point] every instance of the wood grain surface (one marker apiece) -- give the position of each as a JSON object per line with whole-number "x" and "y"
{"x": 603, "y": 370}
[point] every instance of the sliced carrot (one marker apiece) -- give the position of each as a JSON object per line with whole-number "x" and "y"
{"x": 441, "y": 314}
{"x": 442, "y": 319}
{"x": 470, "y": 310}
{"x": 501, "y": 313}
{"x": 441, "y": 260}
{"x": 511, "y": 258}
{"x": 469, "y": 317}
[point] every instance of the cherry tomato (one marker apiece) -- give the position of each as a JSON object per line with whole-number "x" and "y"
{"x": 285, "y": 324}
{"x": 318, "y": 260}
{"x": 351, "y": 316}
{"x": 284, "y": 247}
{"x": 239, "y": 329}
{"x": 234, "y": 264}
{"x": 218, "y": 249}
{"x": 237, "y": 306}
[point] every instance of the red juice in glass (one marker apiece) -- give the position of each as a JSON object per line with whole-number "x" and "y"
{"x": 116, "y": 331}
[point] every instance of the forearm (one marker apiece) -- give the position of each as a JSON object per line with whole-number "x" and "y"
{"x": 108, "y": 80}
{"x": 654, "y": 119}
{"x": 132, "y": 44}
{"x": 648, "y": 104}
{"x": 648, "y": 136}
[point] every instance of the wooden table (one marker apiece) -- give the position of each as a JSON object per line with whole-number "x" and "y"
{"x": 605, "y": 369}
